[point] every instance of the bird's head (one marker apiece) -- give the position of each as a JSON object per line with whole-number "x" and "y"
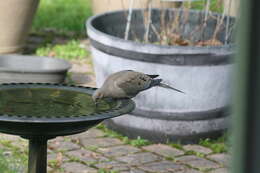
{"x": 97, "y": 95}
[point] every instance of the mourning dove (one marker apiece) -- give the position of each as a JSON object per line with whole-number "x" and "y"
{"x": 127, "y": 84}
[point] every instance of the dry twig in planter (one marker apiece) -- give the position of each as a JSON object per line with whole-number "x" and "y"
{"x": 228, "y": 21}
{"x": 148, "y": 21}
{"x": 129, "y": 17}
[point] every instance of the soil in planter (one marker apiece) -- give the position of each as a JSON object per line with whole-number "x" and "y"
{"x": 177, "y": 40}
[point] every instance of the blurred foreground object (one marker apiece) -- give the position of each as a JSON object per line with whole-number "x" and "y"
{"x": 246, "y": 110}
{"x": 232, "y": 7}
{"x": 110, "y": 5}
{"x": 15, "y": 20}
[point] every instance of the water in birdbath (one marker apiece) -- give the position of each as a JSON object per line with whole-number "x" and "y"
{"x": 49, "y": 102}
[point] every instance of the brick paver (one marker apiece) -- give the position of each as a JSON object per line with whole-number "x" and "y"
{"x": 75, "y": 167}
{"x": 139, "y": 158}
{"x": 221, "y": 158}
{"x": 83, "y": 155}
{"x": 197, "y": 148}
{"x": 162, "y": 166}
{"x": 164, "y": 150}
{"x": 62, "y": 145}
{"x": 197, "y": 162}
{"x": 220, "y": 170}
{"x": 118, "y": 150}
{"x": 100, "y": 142}
{"x": 133, "y": 171}
{"x": 91, "y": 133}
{"x": 113, "y": 165}
{"x": 57, "y": 157}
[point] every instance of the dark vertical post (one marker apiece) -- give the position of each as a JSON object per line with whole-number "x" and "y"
{"x": 246, "y": 114}
{"x": 37, "y": 156}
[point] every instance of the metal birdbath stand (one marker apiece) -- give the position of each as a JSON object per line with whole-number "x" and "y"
{"x": 37, "y": 155}
{"x": 39, "y": 112}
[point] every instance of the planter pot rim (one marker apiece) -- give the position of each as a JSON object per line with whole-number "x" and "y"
{"x": 62, "y": 66}
{"x": 98, "y": 36}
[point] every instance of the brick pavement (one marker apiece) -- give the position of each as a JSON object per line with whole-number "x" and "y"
{"x": 94, "y": 152}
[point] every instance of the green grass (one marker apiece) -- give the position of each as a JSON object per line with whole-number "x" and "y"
{"x": 138, "y": 142}
{"x": 62, "y": 15}
{"x": 4, "y": 164}
{"x": 16, "y": 161}
{"x": 215, "y": 5}
{"x": 190, "y": 152}
{"x": 219, "y": 145}
{"x": 175, "y": 145}
{"x": 101, "y": 170}
{"x": 70, "y": 50}
{"x": 91, "y": 148}
{"x": 71, "y": 15}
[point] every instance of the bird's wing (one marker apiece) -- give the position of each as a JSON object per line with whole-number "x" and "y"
{"x": 133, "y": 82}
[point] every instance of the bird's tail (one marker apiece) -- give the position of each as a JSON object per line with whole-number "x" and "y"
{"x": 169, "y": 87}
{"x": 153, "y": 75}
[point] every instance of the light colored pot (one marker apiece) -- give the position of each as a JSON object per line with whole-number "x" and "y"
{"x": 15, "y": 20}
{"x": 232, "y": 7}
{"x": 101, "y": 6}
{"x": 22, "y": 68}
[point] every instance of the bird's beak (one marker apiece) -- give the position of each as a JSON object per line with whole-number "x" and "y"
{"x": 96, "y": 103}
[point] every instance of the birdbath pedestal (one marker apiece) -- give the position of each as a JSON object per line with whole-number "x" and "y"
{"x": 39, "y": 112}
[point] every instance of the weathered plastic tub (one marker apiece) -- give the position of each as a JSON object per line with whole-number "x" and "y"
{"x": 204, "y": 73}
{"x": 21, "y": 68}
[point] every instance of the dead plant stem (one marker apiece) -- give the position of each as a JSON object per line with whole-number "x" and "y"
{"x": 129, "y": 17}
{"x": 149, "y": 21}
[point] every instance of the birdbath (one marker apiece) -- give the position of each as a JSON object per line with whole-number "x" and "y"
{"x": 39, "y": 112}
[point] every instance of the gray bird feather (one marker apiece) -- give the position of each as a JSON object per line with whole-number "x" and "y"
{"x": 127, "y": 84}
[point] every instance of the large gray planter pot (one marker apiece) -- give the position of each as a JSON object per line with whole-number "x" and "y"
{"x": 202, "y": 72}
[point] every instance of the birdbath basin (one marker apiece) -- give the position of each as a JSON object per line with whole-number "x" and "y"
{"x": 39, "y": 112}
